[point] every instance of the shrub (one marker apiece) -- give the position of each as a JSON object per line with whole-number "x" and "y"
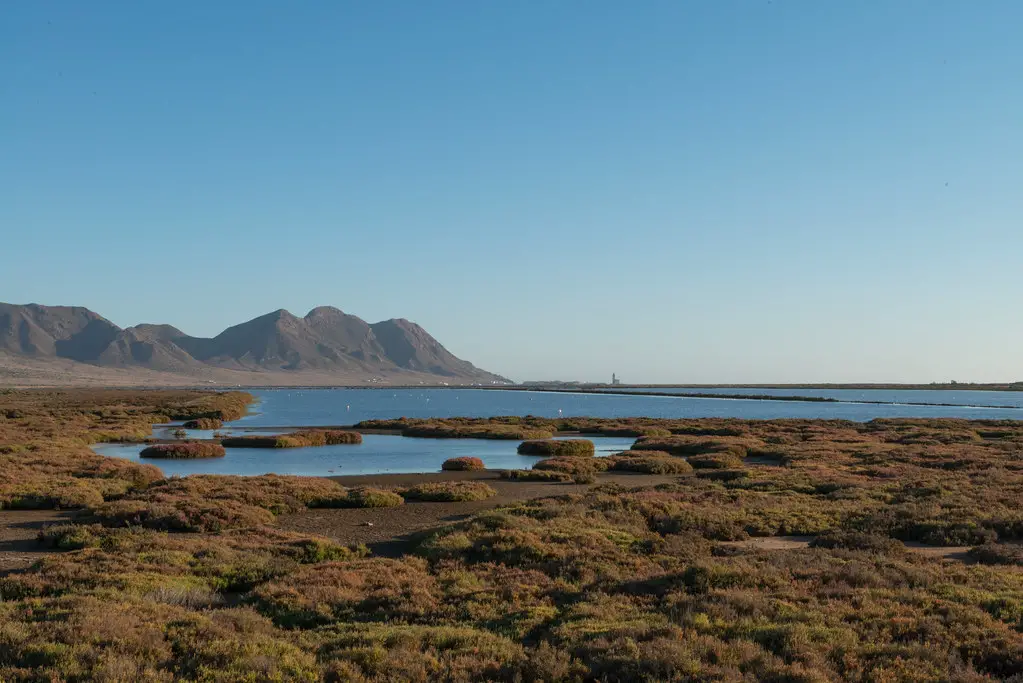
{"x": 854, "y": 540}
{"x": 337, "y": 437}
{"x": 554, "y": 448}
{"x": 535, "y": 475}
{"x": 204, "y": 423}
{"x": 449, "y": 491}
{"x": 998, "y": 553}
{"x": 464, "y": 464}
{"x": 299, "y": 439}
{"x": 192, "y": 449}
{"x": 573, "y": 465}
{"x": 70, "y": 536}
{"x": 723, "y": 475}
{"x": 368, "y": 497}
{"x": 652, "y": 463}
{"x": 715, "y": 461}
{"x": 689, "y": 446}
{"x": 501, "y": 432}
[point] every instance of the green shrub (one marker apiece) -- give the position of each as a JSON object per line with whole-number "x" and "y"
{"x": 557, "y": 448}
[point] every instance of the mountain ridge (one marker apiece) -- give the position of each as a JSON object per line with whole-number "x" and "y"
{"x": 326, "y": 341}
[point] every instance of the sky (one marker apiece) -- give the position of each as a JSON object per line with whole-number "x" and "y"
{"x": 700, "y": 191}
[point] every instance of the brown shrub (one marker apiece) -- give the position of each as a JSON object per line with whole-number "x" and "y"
{"x": 449, "y": 491}
{"x": 190, "y": 449}
{"x": 300, "y": 439}
{"x": 558, "y": 448}
{"x": 573, "y": 465}
{"x": 652, "y": 462}
{"x": 464, "y": 464}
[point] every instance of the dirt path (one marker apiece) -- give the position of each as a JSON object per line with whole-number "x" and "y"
{"x": 388, "y": 531}
{"x": 18, "y": 531}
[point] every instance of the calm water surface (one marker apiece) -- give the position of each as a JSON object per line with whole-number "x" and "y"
{"x": 284, "y": 408}
{"x": 297, "y": 407}
{"x": 1009, "y": 399}
{"x": 375, "y": 455}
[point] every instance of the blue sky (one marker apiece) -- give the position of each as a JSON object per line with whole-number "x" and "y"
{"x": 701, "y": 191}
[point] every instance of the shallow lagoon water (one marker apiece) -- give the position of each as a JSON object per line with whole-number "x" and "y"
{"x": 298, "y": 407}
{"x": 377, "y": 454}
{"x": 1007, "y": 399}
{"x": 293, "y": 408}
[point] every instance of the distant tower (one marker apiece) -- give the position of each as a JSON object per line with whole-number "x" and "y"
{"x": 614, "y": 380}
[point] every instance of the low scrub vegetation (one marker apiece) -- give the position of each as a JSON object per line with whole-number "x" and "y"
{"x": 610, "y": 583}
{"x": 299, "y": 439}
{"x": 190, "y": 449}
{"x": 649, "y": 462}
{"x": 535, "y": 475}
{"x": 448, "y": 491}
{"x": 573, "y": 465}
{"x": 557, "y": 448}
{"x": 464, "y": 464}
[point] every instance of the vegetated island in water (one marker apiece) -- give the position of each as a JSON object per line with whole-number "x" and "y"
{"x": 713, "y": 549}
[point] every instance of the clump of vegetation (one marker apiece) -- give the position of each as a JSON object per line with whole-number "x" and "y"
{"x": 368, "y": 497}
{"x": 649, "y": 462}
{"x": 463, "y": 464}
{"x": 715, "y": 461}
{"x": 998, "y": 553}
{"x": 189, "y": 449}
{"x": 626, "y": 430}
{"x": 448, "y": 491}
{"x": 557, "y": 448}
{"x": 690, "y": 446}
{"x": 204, "y": 423}
{"x": 445, "y": 430}
{"x": 855, "y": 540}
{"x": 573, "y": 465}
{"x": 299, "y": 439}
{"x": 204, "y": 503}
{"x": 535, "y": 475}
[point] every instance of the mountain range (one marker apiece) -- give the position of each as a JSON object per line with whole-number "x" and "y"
{"x": 326, "y": 344}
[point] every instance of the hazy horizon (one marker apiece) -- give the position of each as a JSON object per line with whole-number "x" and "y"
{"x": 779, "y": 192}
